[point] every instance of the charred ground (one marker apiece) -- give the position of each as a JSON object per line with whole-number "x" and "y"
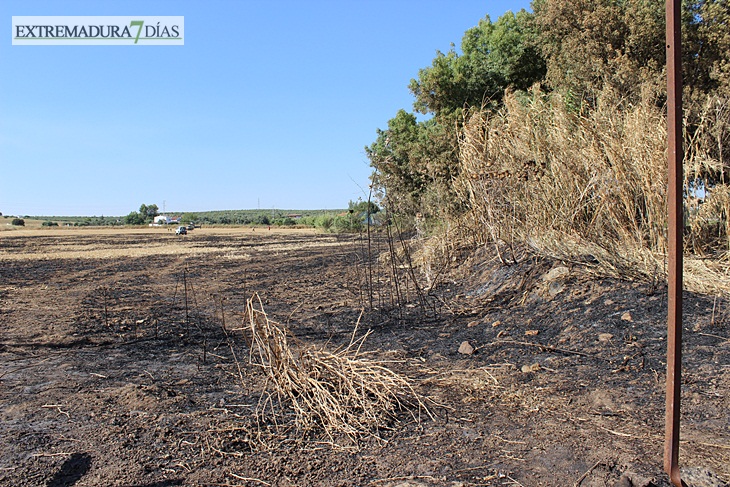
{"x": 116, "y": 368}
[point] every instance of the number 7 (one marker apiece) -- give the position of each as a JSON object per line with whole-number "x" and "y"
{"x": 140, "y": 23}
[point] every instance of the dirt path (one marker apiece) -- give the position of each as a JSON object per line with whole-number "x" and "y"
{"x": 115, "y": 368}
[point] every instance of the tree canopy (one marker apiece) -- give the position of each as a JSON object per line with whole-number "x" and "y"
{"x": 146, "y": 214}
{"x": 494, "y": 56}
{"x": 149, "y": 212}
{"x": 575, "y": 49}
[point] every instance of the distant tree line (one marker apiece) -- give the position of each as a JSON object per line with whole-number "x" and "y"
{"x": 79, "y": 221}
{"x": 278, "y": 217}
{"x": 352, "y": 219}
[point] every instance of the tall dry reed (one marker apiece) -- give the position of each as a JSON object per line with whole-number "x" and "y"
{"x": 590, "y": 185}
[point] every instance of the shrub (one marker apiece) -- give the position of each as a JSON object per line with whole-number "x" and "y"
{"x": 18, "y": 222}
{"x": 286, "y": 221}
{"x": 325, "y": 222}
{"x": 49, "y": 224}
{"x": 134, "y": 218}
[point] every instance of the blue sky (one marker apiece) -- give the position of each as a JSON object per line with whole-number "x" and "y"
{"x": 268, "y": 104}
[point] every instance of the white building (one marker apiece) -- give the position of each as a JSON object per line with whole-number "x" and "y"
{"x": 166, "y": 220}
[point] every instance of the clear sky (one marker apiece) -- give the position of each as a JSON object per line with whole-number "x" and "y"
{"x": 268, "y": 104}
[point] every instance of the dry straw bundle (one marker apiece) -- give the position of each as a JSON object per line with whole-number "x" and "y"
{"x": 343, "y": 394}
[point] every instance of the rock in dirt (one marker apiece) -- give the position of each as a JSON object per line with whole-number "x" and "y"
{"x": 556, "y": 273}
{"x": 466, "y": 349}
{"x": 604, "y": 337}
{"x": 627, "y": 317}
{"x": 555, "y": 288}
{"x": 630, "y": 479}
{"x": 701, "y": 477}
{"x": 553, "y": 282}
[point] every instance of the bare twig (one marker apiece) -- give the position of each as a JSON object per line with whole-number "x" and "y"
{"x": 58, "y": 408}
{"x": 539, "y": 345}
{"x": 406, "y": 477}
{"x": 587, "y": 473}
{"x": 248, "y": 479}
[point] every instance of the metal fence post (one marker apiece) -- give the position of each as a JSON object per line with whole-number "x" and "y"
{"x": 675, "y": 236}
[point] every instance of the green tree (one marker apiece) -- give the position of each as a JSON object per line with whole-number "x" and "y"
{"x": 593, "y": 44}
{"x": 415, "y": 162}
{"x": 395, "y": 169}
{"x": 494, "y": 56}
{"x": 134, "y": 218}
{"x": 148, "y": 212}
{"x": 706, "y": 45}
{"x": 190, "y": 217}
{"x": 363, "y": 207}
{"x": 325, "y": 222}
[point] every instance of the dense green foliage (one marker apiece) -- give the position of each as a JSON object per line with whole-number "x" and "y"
{"x": 582, "y": 51}
{"x": 363, "y": 207}
{"x": 415, "y": 161}
{"x": 494, "y": 55}
{"x": 148, "y": 212}
{"x": 134, "y": 218}
{"x": 18, "y": 222}
{"x": 590, "y": 45}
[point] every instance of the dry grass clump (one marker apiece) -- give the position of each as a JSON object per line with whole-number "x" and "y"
{"x": 590, "y": 185}
{"x": 343, "y": 393}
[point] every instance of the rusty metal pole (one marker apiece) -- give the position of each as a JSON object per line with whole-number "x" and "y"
{"x": 676, "y": 234}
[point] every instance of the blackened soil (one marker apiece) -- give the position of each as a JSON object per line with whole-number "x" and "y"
{"x": 125, "y": 370}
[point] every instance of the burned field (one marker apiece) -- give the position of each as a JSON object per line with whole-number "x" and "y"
{"x": 126, "y": 359}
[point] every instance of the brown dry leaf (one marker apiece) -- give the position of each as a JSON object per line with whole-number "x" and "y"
{"x": 531, "y": 333}
{"x": 472, "y": 324}
{"x": 496, "y": 323}
{"x": 627, "y": 316}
